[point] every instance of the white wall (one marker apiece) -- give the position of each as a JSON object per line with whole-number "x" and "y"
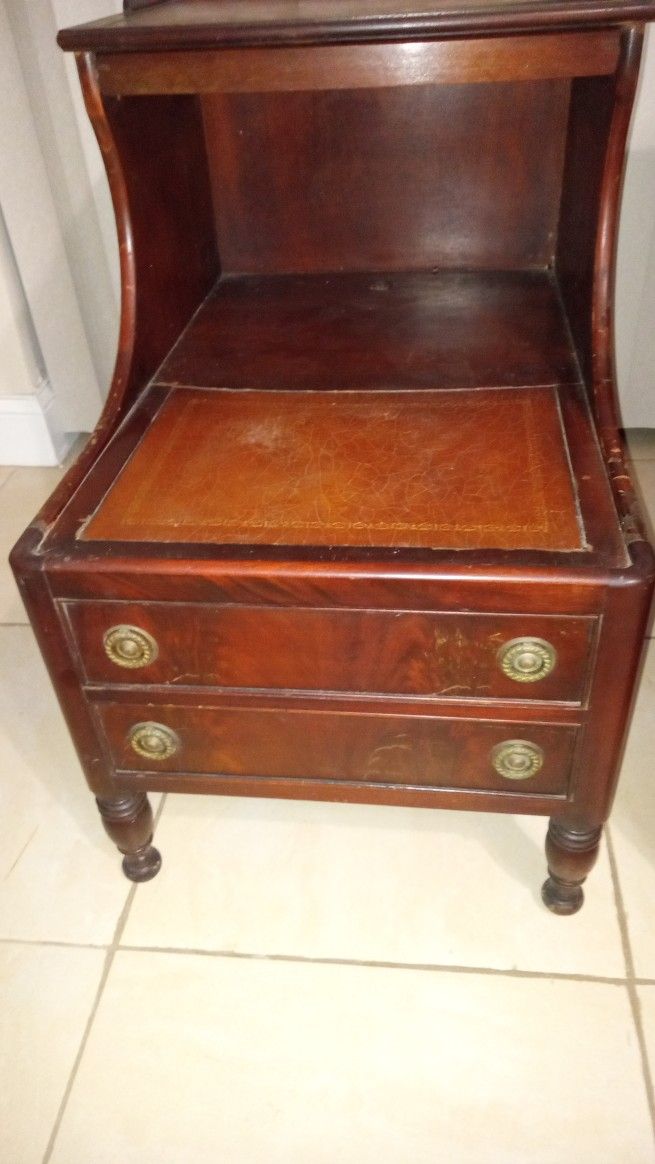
{"x": 21, "y": 372}
{"x": 635, "y": 322}
{"x": 55, "y": 204}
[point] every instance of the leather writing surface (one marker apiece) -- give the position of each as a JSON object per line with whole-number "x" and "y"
{"x": 480, "y": 469}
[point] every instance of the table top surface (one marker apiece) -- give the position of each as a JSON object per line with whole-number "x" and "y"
{"x": 211, "y": 23}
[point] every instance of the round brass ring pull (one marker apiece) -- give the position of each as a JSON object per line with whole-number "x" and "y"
{"x": 517, "y": 759}
{"x": 527, "y": 660}
{"x": 154, "y": 741}
{"x": 129, "y": 646}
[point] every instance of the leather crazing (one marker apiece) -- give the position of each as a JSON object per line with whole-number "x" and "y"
{"x": 438, "y": 469}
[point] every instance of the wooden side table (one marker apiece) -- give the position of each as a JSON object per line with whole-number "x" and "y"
{"x": 356, "y": 522}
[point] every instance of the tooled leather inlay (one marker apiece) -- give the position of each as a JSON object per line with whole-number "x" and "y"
{"x": 451, "y": 469}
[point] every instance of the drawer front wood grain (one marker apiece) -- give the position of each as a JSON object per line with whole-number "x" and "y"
{"x": 344, "y": 747}
{"x": 356, "y": 651}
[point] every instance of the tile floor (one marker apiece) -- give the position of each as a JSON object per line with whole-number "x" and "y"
{"x": 311, "y": 984}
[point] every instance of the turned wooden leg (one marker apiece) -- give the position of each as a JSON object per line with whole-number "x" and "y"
{"x": 128, "y": 821}
{"x": 571, "y": 852}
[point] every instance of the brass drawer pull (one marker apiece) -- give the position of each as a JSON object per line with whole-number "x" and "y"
{"x": 154, "y": 741}
{"x": 129, "y": 646}
{"x": 517, "y": 759}
{"x": 527, "y": 660}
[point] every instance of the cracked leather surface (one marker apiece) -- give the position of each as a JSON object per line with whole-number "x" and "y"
{"x": 442, "y": 469}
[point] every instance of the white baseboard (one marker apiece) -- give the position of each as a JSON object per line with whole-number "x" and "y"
{"x": 29, "y": 434}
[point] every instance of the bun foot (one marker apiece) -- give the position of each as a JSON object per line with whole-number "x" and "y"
{"x": 142, "y": 865}
{"x": 128, "y": 821}
{"x": 561, "y": 898}
{"x": 571, "y": 852}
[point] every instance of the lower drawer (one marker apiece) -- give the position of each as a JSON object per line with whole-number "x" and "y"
{"x": 343, "y": 746}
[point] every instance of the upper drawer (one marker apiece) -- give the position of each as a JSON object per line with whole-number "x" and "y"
{"x": 459, "y": 656}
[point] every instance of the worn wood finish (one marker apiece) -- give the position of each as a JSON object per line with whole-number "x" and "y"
{"x": 586, "y": 259}
{"x": 405, "y": 247}
{"x": 348, "y": 747}
{"x": 334, "y": 67}
{"x": 378, "y": 179}
{"x": 347, "y": 582}
{"x": 211, "y": 23}
{"x": 29, "y": 569}
{"x": 386, "y": 652}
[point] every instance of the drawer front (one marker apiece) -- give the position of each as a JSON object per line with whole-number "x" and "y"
{"x": 459, "y": 656}
{"x": 341, "y": 746}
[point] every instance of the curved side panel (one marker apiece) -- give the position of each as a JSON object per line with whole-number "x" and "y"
{"x": 154, "y": 154}
{"x": 599, "y": 119}
{"x": 118, "y": 189}
{"x": 606, "y": 402}
{"x": 112, "y": 408}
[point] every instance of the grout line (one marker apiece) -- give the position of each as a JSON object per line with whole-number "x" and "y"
{"x": 373, "y": 964}
{"x": 53, "y": 942}
{"x": 631, "y": 982}
{"x": 109, "y": 958}
{"x": 25, "y": 624}
{"x": 24, "y": 848}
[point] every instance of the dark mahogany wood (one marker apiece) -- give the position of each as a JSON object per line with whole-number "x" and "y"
{"x": 388, "y": 179}
{"x": 337, "y": 67}
{"x": 571, "y": 853}
{"x": 385, "y": 652}
{"x": 386, "y": 329}
{"x": 127, "y": 819}
{"x": 210, "y": 23}
{"x": 346, "y": 746}
{"x": 367, "y": 265}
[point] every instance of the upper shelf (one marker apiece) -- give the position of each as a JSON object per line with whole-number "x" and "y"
{"x": 445, "y": 329}
{"x": 175, "y": 24}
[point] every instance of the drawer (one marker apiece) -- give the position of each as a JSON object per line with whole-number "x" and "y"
{"x": 340, "y": 746}
{"x": 459, "y": 656}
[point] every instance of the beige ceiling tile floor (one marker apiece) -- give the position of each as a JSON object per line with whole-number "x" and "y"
{"x": 632, "y": 825}
{"x": 646, "y": 1001}
{"x": 198, "y": 1059}
{"x": 47, "y": 995}
{"x": 60, "y": 876}
{"x": 21, "y": 496}
{"x": 363, "y": 882}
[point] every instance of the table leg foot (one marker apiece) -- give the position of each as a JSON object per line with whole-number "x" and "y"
{"x": 128, "y": 821}
{"x": 571, "y": 852}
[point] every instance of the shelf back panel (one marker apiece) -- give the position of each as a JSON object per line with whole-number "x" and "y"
{"x": 454, "y": 176}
